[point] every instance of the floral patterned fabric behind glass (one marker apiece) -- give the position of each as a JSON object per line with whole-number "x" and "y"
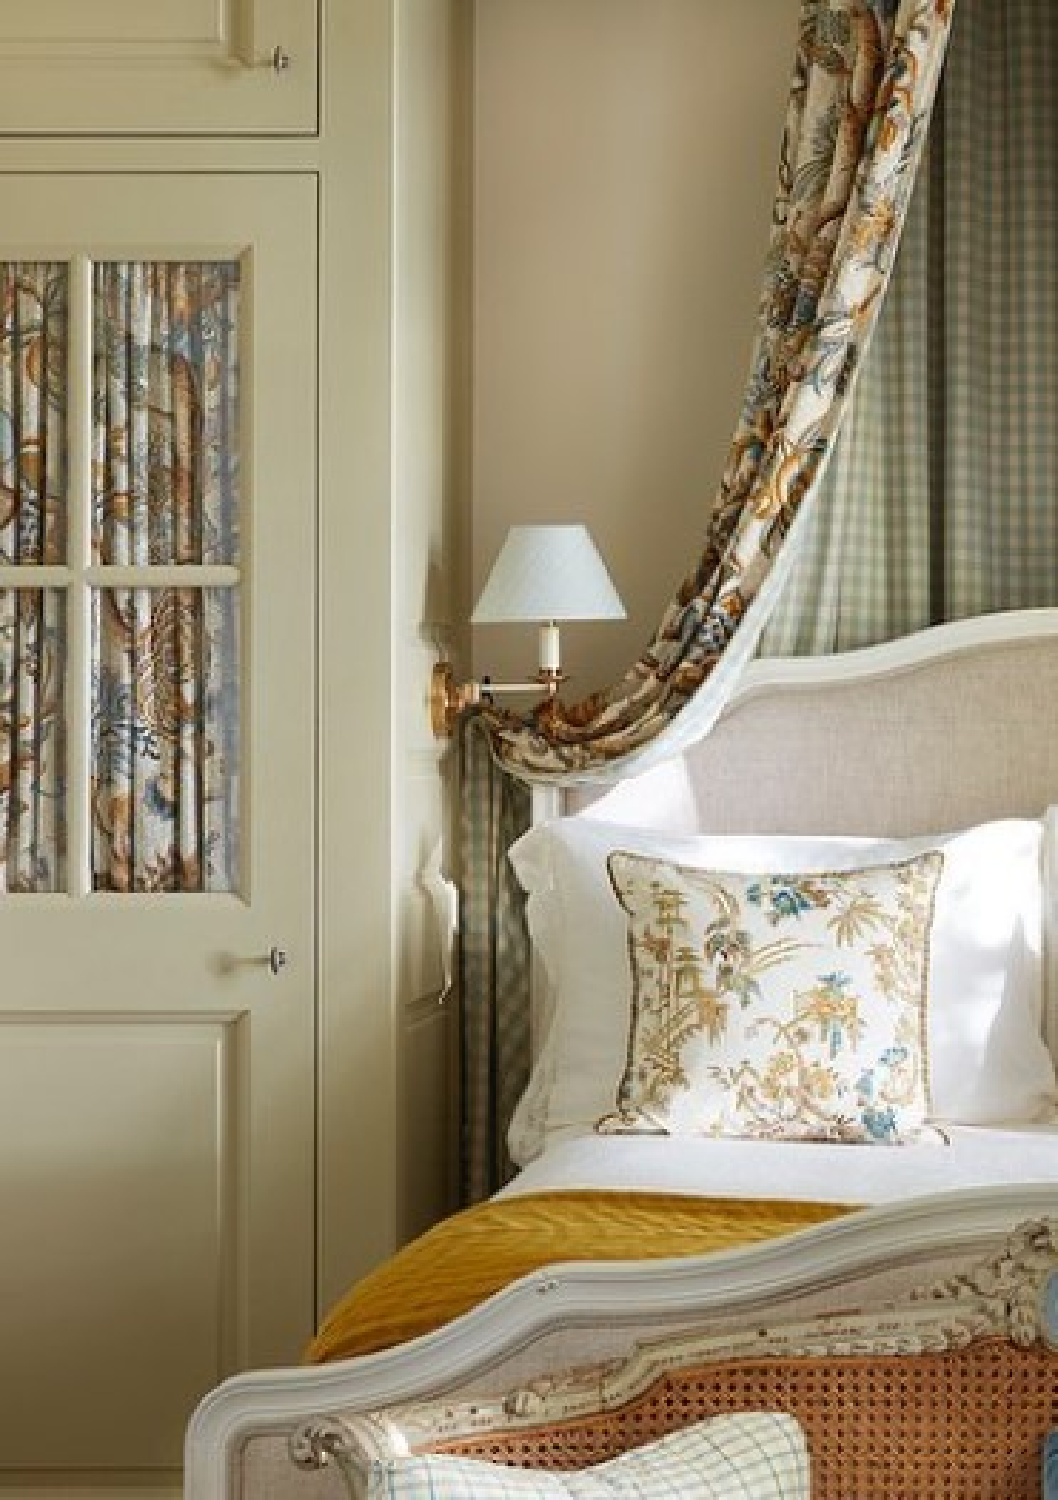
{"x": 33, "y": 464}
{"x": 165, "y": 490}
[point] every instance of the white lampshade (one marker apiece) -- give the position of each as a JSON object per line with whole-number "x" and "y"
{"x": 548, "y": 573}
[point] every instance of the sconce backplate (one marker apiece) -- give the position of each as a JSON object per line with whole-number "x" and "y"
{"x": 445, "y": 700}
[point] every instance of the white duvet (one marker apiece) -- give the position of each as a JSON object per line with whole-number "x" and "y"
{"x": 975, "y": 1157}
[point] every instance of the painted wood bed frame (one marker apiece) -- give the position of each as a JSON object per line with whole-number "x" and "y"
{"x": 863, "y": 1321}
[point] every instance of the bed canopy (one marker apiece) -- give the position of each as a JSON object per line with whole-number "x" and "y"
{"x": 865, "y": 79}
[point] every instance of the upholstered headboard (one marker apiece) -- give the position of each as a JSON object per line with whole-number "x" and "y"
{"x": 941, "y": 730}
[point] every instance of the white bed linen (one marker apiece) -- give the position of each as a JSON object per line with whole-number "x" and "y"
{"x": 809, "y": 1171}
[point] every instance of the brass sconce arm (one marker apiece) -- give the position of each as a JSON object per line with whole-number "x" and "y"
{"x": 449, "y": 699}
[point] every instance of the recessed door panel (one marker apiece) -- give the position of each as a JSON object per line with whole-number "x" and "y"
{"x": 159, "y": 66}
{"x": 125, "y": 1235}
{"x": 129, "y": 23}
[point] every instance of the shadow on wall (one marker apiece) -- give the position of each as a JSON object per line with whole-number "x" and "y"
{"x": 625, "y": 157}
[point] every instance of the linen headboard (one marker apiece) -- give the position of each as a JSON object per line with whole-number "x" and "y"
{"x": 938, "y": 731}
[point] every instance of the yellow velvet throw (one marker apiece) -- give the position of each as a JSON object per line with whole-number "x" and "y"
{"x": 466, "y": 1258}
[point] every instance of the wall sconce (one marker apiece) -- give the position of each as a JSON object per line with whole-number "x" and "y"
{"x": 543, "y": 574}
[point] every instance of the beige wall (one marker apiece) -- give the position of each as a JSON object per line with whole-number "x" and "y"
{"x": 625, "y": 155}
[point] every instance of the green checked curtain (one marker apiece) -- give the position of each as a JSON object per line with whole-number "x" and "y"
{"x": 941, "y": 500}
{"x": 494, "y": 970}
{"x": 864, "y": 78}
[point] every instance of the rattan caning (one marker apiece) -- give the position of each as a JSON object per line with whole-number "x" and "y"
{"x": 965, "y": 1425}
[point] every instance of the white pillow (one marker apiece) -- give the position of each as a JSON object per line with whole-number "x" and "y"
{"x": 987, "y": 1059}
{"x": 744, "y": 1456}
{"x": 528, "y": 1127}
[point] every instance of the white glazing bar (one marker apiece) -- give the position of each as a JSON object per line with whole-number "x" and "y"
{"x": 78, "y": 602}
{"x": 163, "y": 576}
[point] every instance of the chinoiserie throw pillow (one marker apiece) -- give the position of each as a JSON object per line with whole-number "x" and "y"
{"x": 776, "y": 1006}
{"x": 743, "y": 1456}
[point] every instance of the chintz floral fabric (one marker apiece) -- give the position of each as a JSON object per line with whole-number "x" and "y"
{"x": 165, "y": 491}
{"x": 164, "y": 740}
{"x": 33, "y": 480}
{"x": 786, "y": 1007}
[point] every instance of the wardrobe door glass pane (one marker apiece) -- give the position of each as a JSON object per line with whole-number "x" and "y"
{"x": 165, "y": 461}
{"x": 32, "y": 749}
{"x": 165, "y": 739}
{"x": 33, "y": 458}
{"x": 165, "y": 499}
{"x": 34, "y": 299}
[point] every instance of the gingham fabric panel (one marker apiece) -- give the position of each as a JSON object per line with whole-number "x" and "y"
{"x": 863, "y": 573}
{"x": 941, "y": 498}
{"x": 494, "y": 964}
{"x": 747, "y": 1456}
{"x": 1001, "y": 301}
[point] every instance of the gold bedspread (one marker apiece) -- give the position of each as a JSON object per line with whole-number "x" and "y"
{"x": 466, "y": 1258}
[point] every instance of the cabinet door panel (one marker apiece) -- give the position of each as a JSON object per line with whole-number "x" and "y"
{"x": 157, "y": 810}
{"x": 147, "y": 67}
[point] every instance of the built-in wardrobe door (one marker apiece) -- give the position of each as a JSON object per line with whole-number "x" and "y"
{"x": 144, "y": 67}
{"x": 158, "y": 810}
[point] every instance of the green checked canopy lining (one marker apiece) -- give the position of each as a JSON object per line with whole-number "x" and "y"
{"x": 864, "y": 80}
{"x": 941, "y": 498}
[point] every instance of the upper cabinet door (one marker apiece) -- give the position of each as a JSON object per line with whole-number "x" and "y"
{"x": 159, "y": 67}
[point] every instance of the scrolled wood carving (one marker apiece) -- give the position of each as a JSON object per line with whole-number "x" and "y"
{"x": 315, "y": 1443}
{"x": 1010, "y": 1294}
{"x": 1011, "y": 1287}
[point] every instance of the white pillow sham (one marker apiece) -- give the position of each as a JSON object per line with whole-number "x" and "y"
{"x": 743, "y": 1456}
{"x": 988, "y": 1062}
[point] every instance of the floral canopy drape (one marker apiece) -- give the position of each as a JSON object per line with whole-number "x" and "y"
{"x": 864, "y": 79}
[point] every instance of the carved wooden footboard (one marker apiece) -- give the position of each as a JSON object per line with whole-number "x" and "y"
{"x": 919, "y": 1373}
{"x": 949, "y": 1391}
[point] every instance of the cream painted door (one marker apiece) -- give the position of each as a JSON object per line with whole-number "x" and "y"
{"x": 156, "y": 1076}
{"x": 142, "y": 67}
